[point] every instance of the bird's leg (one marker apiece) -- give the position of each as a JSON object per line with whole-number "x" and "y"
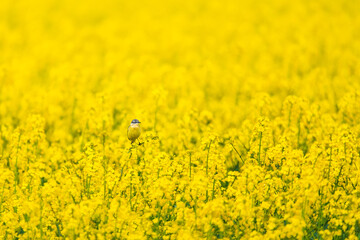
{"x": 130, "y": 148}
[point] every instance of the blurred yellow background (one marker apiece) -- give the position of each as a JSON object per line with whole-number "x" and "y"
{"x": 250, "y": 115}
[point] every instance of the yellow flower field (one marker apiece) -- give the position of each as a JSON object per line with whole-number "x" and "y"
{"x": 250, "y": 112}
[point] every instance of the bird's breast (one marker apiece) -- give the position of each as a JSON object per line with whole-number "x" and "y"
{"x": 134, "y": 132}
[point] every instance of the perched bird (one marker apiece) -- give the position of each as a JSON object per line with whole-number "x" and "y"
{"x": 134, "y": 130}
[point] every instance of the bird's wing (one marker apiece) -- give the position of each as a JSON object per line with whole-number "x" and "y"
{"x": 128, "y": 132}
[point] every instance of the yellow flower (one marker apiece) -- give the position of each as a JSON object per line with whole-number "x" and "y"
{"x": 250, "y": 117}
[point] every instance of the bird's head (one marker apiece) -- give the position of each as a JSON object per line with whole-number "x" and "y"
{"x": 135, "y": 121}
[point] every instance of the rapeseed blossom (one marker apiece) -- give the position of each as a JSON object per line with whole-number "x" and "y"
{"x": 250, "y": 119}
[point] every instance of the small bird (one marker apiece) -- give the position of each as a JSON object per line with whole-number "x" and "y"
{"x": 134, "y": 130}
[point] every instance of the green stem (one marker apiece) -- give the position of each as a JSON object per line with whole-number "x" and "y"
{"x": 213, "y": 190}
{"x": 289, "y": 117}
{"x": 2, "y": 197}
{"x": 131, "y": 194}
{"x": 299, "y": 131}
{"x": 330, "y": 162}
{"x": 237, "y": 153}
{"x": 190, "y": 165}
{"x": 104, "y": 159}
{"x": 116, "y": 217}
{"x": 260, "y": 137}
{"x": 207, "y": 159}
{"x": 41, "y": 223}
{"x": 16, "y": 164}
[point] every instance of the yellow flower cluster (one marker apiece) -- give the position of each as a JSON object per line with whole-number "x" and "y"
{"x": 250, "y": 114}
